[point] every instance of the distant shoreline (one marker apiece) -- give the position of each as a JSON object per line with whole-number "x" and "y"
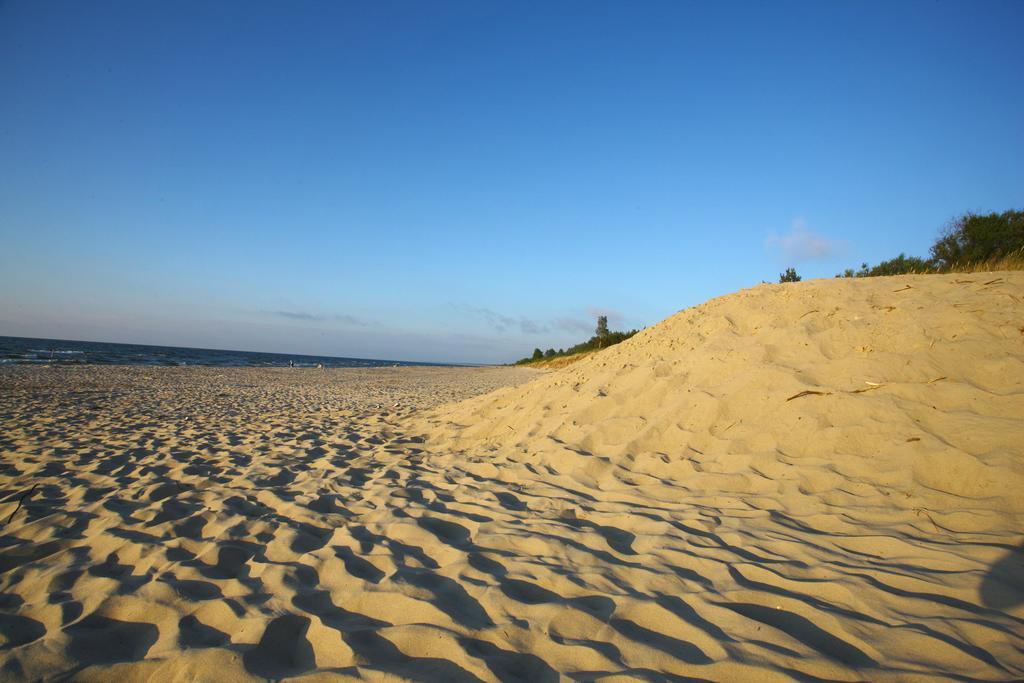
{"x": 42, "y": 351}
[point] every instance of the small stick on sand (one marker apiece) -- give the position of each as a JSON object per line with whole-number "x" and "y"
{"x": 919, "y": 511}
{"x": 937, "y": 379}
{"x": 807, "y": 314}
{"x": 20, "y": 501}
{"x": 809, "y": 393}
{"x": 902, "y": 289}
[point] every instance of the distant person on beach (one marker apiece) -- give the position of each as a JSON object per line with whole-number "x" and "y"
{"x": 291, "y": 364}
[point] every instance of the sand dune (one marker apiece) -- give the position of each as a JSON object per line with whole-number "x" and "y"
{"x": 813, "y": 481}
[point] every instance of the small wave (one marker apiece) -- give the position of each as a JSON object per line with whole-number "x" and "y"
{"x": 60, "y": 351}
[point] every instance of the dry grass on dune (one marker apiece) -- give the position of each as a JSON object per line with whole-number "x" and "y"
{"x": 806, "y": 481}
{"x": 1010, "y": 262}
{"x": 558, "y": 362}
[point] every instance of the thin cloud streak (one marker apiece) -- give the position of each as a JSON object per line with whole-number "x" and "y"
{"x": 574, "y": 325}
{"x": 310, "y": 317}
{"x": 588, "y": 325}
{"x": 503, "y": 323}
{"x": 295, "y": 315}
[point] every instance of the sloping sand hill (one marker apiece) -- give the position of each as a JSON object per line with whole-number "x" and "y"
{"x": 821, "y": 480}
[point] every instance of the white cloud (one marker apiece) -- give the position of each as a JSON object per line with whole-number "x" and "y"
{"x": 800, "y": 245}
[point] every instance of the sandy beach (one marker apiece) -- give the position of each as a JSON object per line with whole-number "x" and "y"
{"x": 816, "y": 481}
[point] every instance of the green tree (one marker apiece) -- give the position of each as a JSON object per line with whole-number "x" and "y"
{"x": 550, "y": 353}
{"x": 537, "y": 354}
{"x": 602, "y": 330}
{"x": 972, "y": 238}
{"x": 789, "y": 276}
{"x": 901, "y": 265}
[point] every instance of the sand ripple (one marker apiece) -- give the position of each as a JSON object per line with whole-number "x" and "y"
{"x": 659, "y": 511}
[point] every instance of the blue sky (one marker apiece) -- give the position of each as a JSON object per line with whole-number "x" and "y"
{"x": 466, "y": 181}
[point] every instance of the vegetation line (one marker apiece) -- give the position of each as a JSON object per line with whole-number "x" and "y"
{"x": 969, "y": 244}
{"x": 602, "y": 338}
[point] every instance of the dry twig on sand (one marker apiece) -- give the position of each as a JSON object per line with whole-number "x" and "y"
{"x": 809, "y": 393}
{"x": 20, "y": 501}
{"x": 871, "y": 386}
{"x": 920, "y": 511}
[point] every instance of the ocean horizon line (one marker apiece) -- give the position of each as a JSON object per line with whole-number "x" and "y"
{"x": 43, "y": 350}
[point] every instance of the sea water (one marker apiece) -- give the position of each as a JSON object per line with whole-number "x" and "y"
{"x": 18, "y": 350}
